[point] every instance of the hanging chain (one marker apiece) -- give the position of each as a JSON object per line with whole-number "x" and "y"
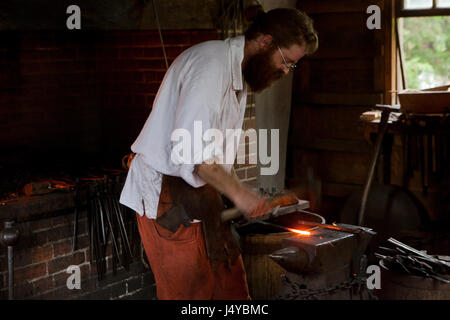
{"x": 297, "y": 292}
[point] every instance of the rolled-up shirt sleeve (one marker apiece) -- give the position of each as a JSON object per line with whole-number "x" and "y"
{"x": 196, "y": 118}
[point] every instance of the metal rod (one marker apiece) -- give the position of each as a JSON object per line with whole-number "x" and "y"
{"x": 160, "y": 34}
{"x": 98, "y": 241}
{"x": 323, "y": 221}
{"x": 100, "y": 210}
{"x": 274, "y": 225}
{"x": 122, "y": 225}
{"x": 113, "y": 236}
{"x": 331, "y": 227}
{"x": 10, "y": 273}
{"x": 417, "y": 252}
{"x": 9, "y": 237}
{"x": 75, "y": 218}
{"x": 400, "y": 55}
{"x": 75, "y": 225}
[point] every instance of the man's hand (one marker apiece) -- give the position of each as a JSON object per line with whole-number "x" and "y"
{"x": 246, "y": 201}
{"x": 252, "y": 205}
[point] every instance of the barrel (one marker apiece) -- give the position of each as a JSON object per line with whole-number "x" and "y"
{"x": 396, "y": 286}
{"x": 263, "y": 274}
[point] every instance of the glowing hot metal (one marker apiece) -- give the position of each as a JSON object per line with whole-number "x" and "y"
{"x": 302, "y": 232}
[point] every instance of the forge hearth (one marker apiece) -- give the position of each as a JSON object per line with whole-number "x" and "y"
{"x": 71, "y": 104}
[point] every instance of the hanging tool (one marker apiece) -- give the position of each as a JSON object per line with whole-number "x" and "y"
{"x": 95, "y": 231}
{"x": 101, "y": 214}
{"x": 108, "y": 212}
{"x": 118, "y": 215}
{"x": 106, "y": 223}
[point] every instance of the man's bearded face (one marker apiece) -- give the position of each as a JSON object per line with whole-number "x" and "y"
{"x": 260, "y": 71}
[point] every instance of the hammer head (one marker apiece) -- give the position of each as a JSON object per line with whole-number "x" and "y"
{"x": 387, "y": 107}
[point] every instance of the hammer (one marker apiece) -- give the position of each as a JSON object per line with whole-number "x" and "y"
{"x": 386, "y": 111}
{"x": 281, "y": 201}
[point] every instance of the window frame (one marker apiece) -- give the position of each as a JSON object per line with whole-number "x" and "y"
{"x": 401, "y": 12}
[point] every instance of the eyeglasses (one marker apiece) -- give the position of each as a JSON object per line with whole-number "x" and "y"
{"x": 290, "y": 67}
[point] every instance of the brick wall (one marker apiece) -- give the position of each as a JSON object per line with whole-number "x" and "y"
{"x": 94, "y": 89}
{"x": 68, "y": 98}
{"x": 246, "y": 170}
{"x": 44, "y": 252}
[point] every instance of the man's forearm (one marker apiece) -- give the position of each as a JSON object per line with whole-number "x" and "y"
{"x": 216, "y": 176}
{"x": 245, "y": 200}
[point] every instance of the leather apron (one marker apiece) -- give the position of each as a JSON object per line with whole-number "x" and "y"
{"x": 205, "y": 204}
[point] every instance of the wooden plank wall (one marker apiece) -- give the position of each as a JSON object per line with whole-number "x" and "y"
{"x": 344, "y": 78}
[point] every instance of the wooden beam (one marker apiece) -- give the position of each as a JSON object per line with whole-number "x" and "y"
{"x": 390, "y": 64}
{"x": 356, "y": 99}
{"x": 423, "y": 12}
{"x": 329, "y": 6}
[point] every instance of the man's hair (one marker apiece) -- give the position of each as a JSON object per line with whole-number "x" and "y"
{"x": 287, "y": 27}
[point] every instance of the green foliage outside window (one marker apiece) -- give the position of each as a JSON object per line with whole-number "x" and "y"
{"x": 426, "y": 47}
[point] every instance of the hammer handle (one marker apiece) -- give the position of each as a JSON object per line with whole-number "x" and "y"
{"x": 282, "y": 201}
{"x": 230, "y": 214}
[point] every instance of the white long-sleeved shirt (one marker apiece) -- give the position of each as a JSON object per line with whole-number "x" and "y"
{"x": 204, "y": 83}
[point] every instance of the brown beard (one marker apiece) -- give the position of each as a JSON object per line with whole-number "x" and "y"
{"x": 259, "y": 71}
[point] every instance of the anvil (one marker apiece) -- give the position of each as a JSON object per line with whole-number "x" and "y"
{"x": 323, "y": 250}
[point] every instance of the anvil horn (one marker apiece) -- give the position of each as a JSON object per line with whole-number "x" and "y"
{"x": 292, "y": 259}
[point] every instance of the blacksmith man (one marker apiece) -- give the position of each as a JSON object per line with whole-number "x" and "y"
{"x": 208, "y": 83}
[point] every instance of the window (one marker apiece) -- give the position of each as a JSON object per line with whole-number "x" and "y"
{"x": 426, "y": 50}
{"x": 418, "y": 4}
{"x": 423, "y": 33}
{"x": 443, "y": 4}
{"x": 423, "y": 8}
